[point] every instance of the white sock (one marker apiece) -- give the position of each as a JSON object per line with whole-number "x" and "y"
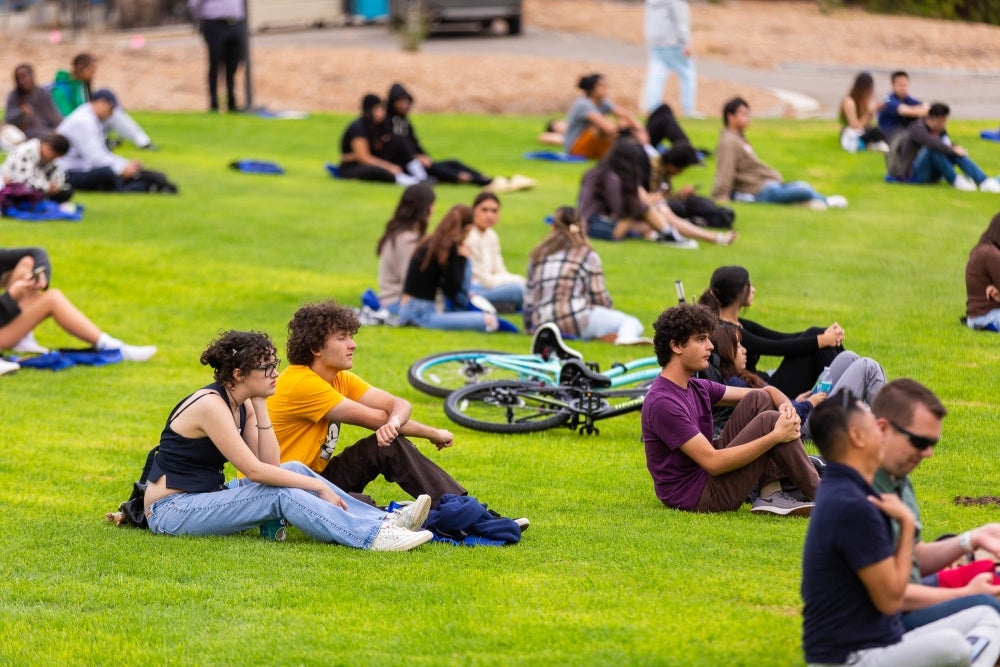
{"x": 106, "y": 342}
{"x": 406, "y": 180}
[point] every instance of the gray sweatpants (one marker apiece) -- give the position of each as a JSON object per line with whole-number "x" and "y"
{"x": 942, "y": 643}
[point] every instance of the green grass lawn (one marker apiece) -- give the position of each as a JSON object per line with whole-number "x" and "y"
{"x": 606, "y": 575}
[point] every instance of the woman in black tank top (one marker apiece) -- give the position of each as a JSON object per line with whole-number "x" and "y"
{"x": 228, "y": 421}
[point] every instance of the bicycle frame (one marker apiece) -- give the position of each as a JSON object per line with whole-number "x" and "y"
{"x": 533, "y": 367}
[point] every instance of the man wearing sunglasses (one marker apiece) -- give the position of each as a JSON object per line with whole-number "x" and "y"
{"x": 910, "y": 417}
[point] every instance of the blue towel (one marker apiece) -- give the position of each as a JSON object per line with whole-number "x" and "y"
{"x": 990, "y": 135}
{"x": 333, "y": 169}
{"x": 370, "y": 298}
{"x": 554, "y": 156}
{"x": 257, "y": 167}
{"x": 58, "y": 360}
{"x": 42, "y": 211}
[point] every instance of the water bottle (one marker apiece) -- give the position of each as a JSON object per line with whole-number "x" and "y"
{"x": 825, "y": 382}
{"x": 679, "y": 286}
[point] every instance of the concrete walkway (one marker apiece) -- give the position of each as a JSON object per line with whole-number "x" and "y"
{"x": 807, "y": 89}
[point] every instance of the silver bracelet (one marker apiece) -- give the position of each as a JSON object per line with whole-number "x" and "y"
{"x": 264, "y": 428}
{"x": 965, "y": 541}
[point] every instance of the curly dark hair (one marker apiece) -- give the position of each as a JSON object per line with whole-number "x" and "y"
{"x": 232, "y": 350}
{"x": 677, "y": 325}
{"x": 312, "y": 324}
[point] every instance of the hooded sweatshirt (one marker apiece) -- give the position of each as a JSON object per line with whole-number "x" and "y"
{"x": 667, "y": 23}
{"x": 399, "y": 125}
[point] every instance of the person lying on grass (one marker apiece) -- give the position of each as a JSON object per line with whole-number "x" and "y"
{"x": 227, "y": 420}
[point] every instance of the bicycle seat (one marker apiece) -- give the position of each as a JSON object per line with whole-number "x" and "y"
{"x": 548, "y": 341}
{"x": 576, "y": 374}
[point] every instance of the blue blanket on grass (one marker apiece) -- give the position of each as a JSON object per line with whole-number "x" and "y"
{"x": 43, "y": 211}
{"x": 554, "y": 156}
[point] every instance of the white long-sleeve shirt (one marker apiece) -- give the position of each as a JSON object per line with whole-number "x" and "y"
{"x": 88, "y": 148}
{"x": 488, "y": 269}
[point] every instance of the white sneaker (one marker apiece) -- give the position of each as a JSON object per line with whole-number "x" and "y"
{"x": 137, "y": 352}
{"x": 8, "y": 367}
{"x": 412, "y": 516}
{"x": 963, "y": 184}
{"x": 878, "y": 147}
{"x": 393, "y": 538}
{"x": 523, "y": 523}
{"x": 28, "y": 345}
{"x": 990, "y": 185}
{"x": 638, "y": 340}
{"x": 836, "y": 201}
{"x": 849, "y": 140}
{"x": 816, "y": 205}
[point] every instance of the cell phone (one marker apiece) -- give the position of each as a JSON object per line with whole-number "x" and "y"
{"x": 39, "y": 270}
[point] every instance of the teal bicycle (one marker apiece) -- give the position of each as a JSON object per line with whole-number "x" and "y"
{"x": 502, "y": 392}
{"x": 440, "y": 374}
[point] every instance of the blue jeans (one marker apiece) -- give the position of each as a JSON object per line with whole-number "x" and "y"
{"x": 602, "y": 321}
{"x": 422, "y": 313}
{"x": 250, "y": 504}
{"x": 990, "y": 321}
{"x": 931, "y": 166}
{"x": 661, "y": 60}
{"x": 505, "y": 297}
{"x": 787, "y": 193}
{"x": 918, "y": 617}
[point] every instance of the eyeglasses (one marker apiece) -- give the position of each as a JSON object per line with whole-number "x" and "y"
{"x": 919, "y": 441}
{"x": 269, "y": 369}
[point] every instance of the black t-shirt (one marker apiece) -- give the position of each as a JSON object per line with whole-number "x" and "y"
{"x": 355, "y": 130}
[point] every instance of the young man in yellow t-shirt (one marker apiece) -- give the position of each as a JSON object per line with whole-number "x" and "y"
{"x": 317, "y": 393}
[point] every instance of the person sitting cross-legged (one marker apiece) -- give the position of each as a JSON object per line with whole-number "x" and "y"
{"x": 759, "y": 446}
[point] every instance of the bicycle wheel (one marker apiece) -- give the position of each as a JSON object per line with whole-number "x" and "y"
{"x": 509, "y": 407}
{"x": 442, "y": 373}
{"x": 608, "y": 403}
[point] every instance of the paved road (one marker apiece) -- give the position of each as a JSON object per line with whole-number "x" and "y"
{"x": 814, "y": 89}
{"x": 810, "y": 89}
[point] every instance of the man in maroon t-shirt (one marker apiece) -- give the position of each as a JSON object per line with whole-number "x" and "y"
{"x": 759, "y": 446}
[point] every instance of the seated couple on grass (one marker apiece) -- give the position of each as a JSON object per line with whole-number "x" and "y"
{"x": 760, "y": 446}
{"x": 303, "y": 409}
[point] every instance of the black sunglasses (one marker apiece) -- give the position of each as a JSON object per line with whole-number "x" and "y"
{"x": 918, "y": 441}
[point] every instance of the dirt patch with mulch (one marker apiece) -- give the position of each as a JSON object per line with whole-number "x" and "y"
{"x": 755, "y": 33}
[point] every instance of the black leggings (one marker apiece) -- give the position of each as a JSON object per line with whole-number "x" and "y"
{"x": 365, "y": 172}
